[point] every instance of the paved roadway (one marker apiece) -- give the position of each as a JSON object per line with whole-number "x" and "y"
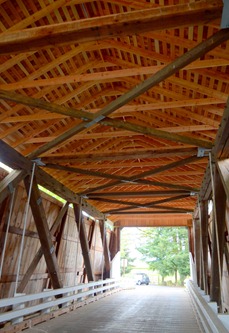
{"x": 140, "y": 310}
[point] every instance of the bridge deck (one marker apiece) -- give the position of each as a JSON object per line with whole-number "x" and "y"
{"x": 144, "y": 309}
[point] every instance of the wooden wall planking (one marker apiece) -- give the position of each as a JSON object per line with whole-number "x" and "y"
{"x": 71, "y": 266}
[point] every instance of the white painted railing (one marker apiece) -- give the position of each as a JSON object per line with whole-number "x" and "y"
{"x": 17, "y": 308}
{"x": 212, "y": 321}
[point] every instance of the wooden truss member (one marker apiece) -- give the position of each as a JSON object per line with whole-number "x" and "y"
{"x": 91, "y": 233}
{"x": 44, "y": 234}
{"x": 59, "y": 221}
{"x": 83, "y": 241}
{"x": 218, "y": 236}
{"x": 203, "y": 208}
{"x": 106, "y": 254}
{"x": 196, "y": 228}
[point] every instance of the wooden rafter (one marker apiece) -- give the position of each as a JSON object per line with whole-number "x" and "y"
{"x": 110, "y": 26}
{"x": 100, "y": 76}
{"x": 166, "y": 72}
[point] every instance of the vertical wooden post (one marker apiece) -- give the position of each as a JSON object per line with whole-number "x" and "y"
{"x": 204, "y": 240}
{"x": 218, "y": 241}
{"x": 44, "y": 234}
{"x": 106, "y": 253}
{"x": 83, "y": 241}
{"x": 90, "y": 238}
{"x": 197, "y": 250}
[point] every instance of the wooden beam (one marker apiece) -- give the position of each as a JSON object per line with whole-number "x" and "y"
{"x": 149, "y": 212}
{"x": 124, "y": 109}
{"x": 204, "y": 242}
{"x": 139, "y": 194}
{"x": 83, "y": 241}
{"x": 106, "y": 253}
{"x": 221, "y": 145}
{"x": 140, "y": 181}
{"x": 223, "y": 169}
{"x": 163, "y": 168}
{"x": 130, "y": 205}
{"x": 59, "y": 220}
{"x": 110, "y": 26}
{"x": 220, "y": 150}
{"x": 8, "y": 184}
{"x": 161, "y": 75}
{"x": 44, "y": 233}
{"x": 109, "y": 75}
{"x": 122, "y": 178}
{"x": 218, "y": 239}
{"x": 197, "y": 250}
{"x": 152, "y": 220}
{"x": 117, "y": 156}
{"x": 91, "y": 233}
{"x": 158, "y": 133}
{"x": 15, "y": 160}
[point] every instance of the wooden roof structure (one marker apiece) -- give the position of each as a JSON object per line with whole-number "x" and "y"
{"x": 120, "y": 101}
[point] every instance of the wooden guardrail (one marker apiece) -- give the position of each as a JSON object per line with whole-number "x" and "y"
{"x": 212, "y": 321}
{"x": 15, "y": 310}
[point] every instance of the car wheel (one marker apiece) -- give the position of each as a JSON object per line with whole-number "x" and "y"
{"x": 139, "y": 283}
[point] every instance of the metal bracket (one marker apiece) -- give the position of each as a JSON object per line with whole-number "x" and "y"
{"x": 38, "y": 162}
{"x": 202, "y": 152}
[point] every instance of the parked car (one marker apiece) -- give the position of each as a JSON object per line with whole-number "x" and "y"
{"x": 141, "y": 278}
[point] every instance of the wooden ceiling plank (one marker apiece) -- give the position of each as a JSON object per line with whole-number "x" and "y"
{"x": 117, "y": 25}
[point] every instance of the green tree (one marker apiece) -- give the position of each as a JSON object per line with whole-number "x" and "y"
{"x": 166, "y": 250}
{"x": 126, "y": 245}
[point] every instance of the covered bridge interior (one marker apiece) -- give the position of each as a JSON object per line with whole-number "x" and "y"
{"x": 119, "y": 108}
